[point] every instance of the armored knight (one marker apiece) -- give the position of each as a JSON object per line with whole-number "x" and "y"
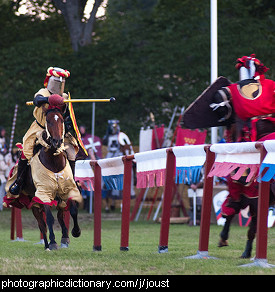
{"x": 111, "y": 139}
{"x": 252, "y": 99}
{"x": 54, "y": 84}
{"x": 247, "y": 109}
{"x": 118, "y": 144}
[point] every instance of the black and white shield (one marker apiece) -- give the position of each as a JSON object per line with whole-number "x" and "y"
{"x": 199, "y": 114}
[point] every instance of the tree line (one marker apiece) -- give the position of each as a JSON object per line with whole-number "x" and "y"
{"x": 150, "y": 54}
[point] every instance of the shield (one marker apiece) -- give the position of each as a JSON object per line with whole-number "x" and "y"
{"x": 199, "y": 114}
{"x": 125, "y": 143}
{"x": 123, "y": 139}
{"x": 78, "y": 135}
{"x": 218, "y": 200}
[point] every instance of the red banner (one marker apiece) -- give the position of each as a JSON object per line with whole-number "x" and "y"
{"x": 190, "y": 137}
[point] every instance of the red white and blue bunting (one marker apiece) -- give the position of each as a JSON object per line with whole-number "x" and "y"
{"x": 189, "y": 163}
{"x": 112, "y": 171}
{"x": 267, "y": 169}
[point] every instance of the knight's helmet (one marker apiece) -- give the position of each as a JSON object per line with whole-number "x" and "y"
{"x": 113, "y": 127}
{"x": 55, "y": 80}
{"x": 250, "y": 67}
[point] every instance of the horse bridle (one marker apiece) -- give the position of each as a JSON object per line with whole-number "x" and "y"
{"x": 48, "y": 138}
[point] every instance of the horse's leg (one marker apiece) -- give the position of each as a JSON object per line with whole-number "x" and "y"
{"x": 225, "y": 232}
{"x": 50, "y": 222}
{"x": 38, "y": 214}
{"x": 251, "y": 233}
{"x": 65, "y": 236}
{"x": 74, "y": 211}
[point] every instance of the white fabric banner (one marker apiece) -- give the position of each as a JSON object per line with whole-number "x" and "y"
{"x": 187, "y": 156}
{"x": 241, "y": 153}
{"x": 145, "y": 140}
{"x": 270, "y": 148}
{"x": 151, "y": 160}
{"x": 111, "y": 166}
{"x": 83, "y": 169}
{"x": 231, "y": 148}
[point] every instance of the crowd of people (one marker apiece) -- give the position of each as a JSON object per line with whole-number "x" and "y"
{"x": 6, "y": 163}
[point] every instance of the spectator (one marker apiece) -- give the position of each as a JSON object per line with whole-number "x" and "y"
{"x": 195, "y": 187}
{"x": 3, "y": 141}
{"x": 92, "y": 144}
{"x": 4, "y": 166}
{"x": 93, "y": 147}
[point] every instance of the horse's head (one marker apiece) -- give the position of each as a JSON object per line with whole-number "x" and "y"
{"x": 55, "y": 128}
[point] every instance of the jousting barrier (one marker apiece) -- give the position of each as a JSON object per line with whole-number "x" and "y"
{"x": 183, "y": 164}
{"x": 154, "y": 168}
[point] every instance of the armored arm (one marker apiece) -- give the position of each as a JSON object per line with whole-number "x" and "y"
{"x": 221, "y": 104}
{"x": 67, "y": 120}
{"x": 39, "y": 100}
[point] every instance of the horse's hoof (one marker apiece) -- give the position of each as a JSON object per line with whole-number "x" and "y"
{"x": 53, "y": 246}
{"x": 65, "y": 242}
{"x": 76, "y": 232}
{"x": 222, "y": 243}
{"x": 245, "y": 255}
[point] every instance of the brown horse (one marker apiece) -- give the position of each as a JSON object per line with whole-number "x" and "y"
{"x": 52, "y": 157}
{"x": 251, "y": 233}
{"x": 51, "y": 161}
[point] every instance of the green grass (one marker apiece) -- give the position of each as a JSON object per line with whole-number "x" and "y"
{"x": 28, "y": 258}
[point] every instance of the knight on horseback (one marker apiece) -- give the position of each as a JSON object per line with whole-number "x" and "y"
{"x": 253, "y": 101}
{"x": 50, "y": 150}
{"x": 54, "y": 84}
{"x": 247, "y": 110}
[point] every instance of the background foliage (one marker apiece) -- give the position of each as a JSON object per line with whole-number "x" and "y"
{"x": 151, "y": 55}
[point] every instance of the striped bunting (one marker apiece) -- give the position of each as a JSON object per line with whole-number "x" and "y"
{"x": 112, "y": 171}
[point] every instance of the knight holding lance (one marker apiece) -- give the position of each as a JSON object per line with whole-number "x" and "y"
{"x": 52, "y": 95}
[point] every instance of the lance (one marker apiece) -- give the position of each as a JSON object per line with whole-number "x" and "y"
{"x": 178, "y": 124}
{"x": 169, "y": 127}
{"x": 13, "y": 127}
{"x": 152, "y": 117}
{"x": 112, "y": 99}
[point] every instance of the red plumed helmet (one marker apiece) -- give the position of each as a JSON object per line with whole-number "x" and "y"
{"x": 245, "y": 62}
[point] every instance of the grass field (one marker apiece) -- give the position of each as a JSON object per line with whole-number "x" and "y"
{"x": 28, "y": 258}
